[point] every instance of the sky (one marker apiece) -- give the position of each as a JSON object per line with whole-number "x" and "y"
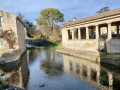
{"x": 70, "y": 8}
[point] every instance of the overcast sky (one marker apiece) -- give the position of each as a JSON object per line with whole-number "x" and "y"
{"x": 70, "y": 8}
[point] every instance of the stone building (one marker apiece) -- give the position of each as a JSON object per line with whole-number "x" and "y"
{"x": 95, "y": 33}
{"x": 15, "y": 24}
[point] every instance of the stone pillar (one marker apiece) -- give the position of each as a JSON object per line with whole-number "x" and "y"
{"x": 67, "y": 36}
{"x": 110, "y": 77}
{"x": 72, "y": 33}
{"x": 87, "y": 33}
{"x": 97, "y": 34}
{"x": 79, "y": 33}
{"x": 109, "y": 31}
{"x": 118, "y": 31}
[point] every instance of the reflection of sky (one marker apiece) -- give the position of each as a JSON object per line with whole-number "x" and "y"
{"x": 70, "y": 8}
{"x": 47, "y": 68}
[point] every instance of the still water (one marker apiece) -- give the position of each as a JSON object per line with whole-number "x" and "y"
{"x": 44, "y": 69}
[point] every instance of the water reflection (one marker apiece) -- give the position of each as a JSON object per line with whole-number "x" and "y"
{"x": 50, "y": 63}
{"x": 16, "y": 73}
{"x": 93, "y": 73}
{"x": 59, "y": 72}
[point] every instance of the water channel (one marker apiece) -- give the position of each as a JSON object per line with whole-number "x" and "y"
{"x": 44, "y": 69}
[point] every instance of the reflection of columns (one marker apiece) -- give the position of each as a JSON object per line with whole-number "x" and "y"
{"x": 79, "y": 33}
{"x": 118, "y": 31}
{"x": 98, "y": 76}
{"x": 97, "y": 35}
{"x": 74, "y": 67}
{"x": 81, "y": 69}
{"x": 109, "y": 31}
{"x": 110, "y": 77}
{"x": 72, "y": 33}
{"x": 88, "y": 73}
{"x": 87, "y": 33}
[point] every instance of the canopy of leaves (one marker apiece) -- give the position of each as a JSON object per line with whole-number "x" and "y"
{"x": 104, "y": 9}
{"x": 29, "y": 25}
{"x": 50, "y": 16}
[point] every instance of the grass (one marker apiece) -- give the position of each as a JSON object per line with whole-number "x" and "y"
{"x": 108, "y": 55}
{"x": 46, "y": 44}
{"x": 30, "y": 48}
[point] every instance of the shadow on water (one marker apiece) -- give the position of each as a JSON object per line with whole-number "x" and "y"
{"x": 16, "y": 73}
{"x": 59, "y": 72}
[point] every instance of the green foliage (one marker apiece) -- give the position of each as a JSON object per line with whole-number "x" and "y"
{"x": 46, "y": 44}
{"x": 29, "y": 25}
{"x": 56, "y": 34}
{"x": 104, "y": 9}
{"x": 108, "y": 55}
{"x": 9, "y": 36}
{"x": 49, "y": 17}
{"x": 3, "y": 86}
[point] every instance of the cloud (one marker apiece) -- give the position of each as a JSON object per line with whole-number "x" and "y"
{"x": 71, "y": 8}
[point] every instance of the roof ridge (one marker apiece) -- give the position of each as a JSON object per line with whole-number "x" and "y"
{"x": 100, "y": 15}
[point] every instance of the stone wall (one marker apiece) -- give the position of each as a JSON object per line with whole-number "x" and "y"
{"x": 84, "y": 45}
{"x": 113, "y": 46}
{"x": 21, "y": 36}
{"x": 10, "y": 22}
{"x": 3, "y": 43}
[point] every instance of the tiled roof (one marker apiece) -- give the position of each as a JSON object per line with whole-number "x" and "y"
{"x": 98, "y": 16}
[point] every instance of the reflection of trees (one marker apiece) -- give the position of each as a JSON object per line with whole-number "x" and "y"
{"x": 51, "y": 67}
{"x": 34, "y": 53}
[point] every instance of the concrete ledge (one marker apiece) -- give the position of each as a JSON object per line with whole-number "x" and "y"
{"x": 91, "y": 56}
{"x": 10, "y": 55}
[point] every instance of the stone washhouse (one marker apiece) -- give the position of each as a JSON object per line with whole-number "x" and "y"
{"x": 96, "y": 33}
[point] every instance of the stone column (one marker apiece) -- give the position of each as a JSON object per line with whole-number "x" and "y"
{"x": 87, "y": 33}
{"x": 97, "y": 34}
{"x": 72, "y": 33}
{"x": 67, "y": 36}
{"x": 79, "y": 33}
{"x": 109, "y": 31}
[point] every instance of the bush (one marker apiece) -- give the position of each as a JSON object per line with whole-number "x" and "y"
{"x": 9, "y": 36}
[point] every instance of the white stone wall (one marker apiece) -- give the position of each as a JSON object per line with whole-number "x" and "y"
{"x": 3, "y": 44}
{"x": 21, "y": 36}
{"x": 10, "y": 22}
{"x": 83, "y": 45}
{"x": 113, "y": 46}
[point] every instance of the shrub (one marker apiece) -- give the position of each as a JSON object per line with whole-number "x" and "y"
{"x": 9, "y": 36}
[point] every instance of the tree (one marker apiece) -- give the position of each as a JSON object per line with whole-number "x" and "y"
{"x": 104, "y": 9}
{"x": 29, "y": 25}
{"x": 49, "y": 17}
{"x": 21, "y": 16}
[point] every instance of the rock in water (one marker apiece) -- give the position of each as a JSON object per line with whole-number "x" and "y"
{"x": 42, "y": 85}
